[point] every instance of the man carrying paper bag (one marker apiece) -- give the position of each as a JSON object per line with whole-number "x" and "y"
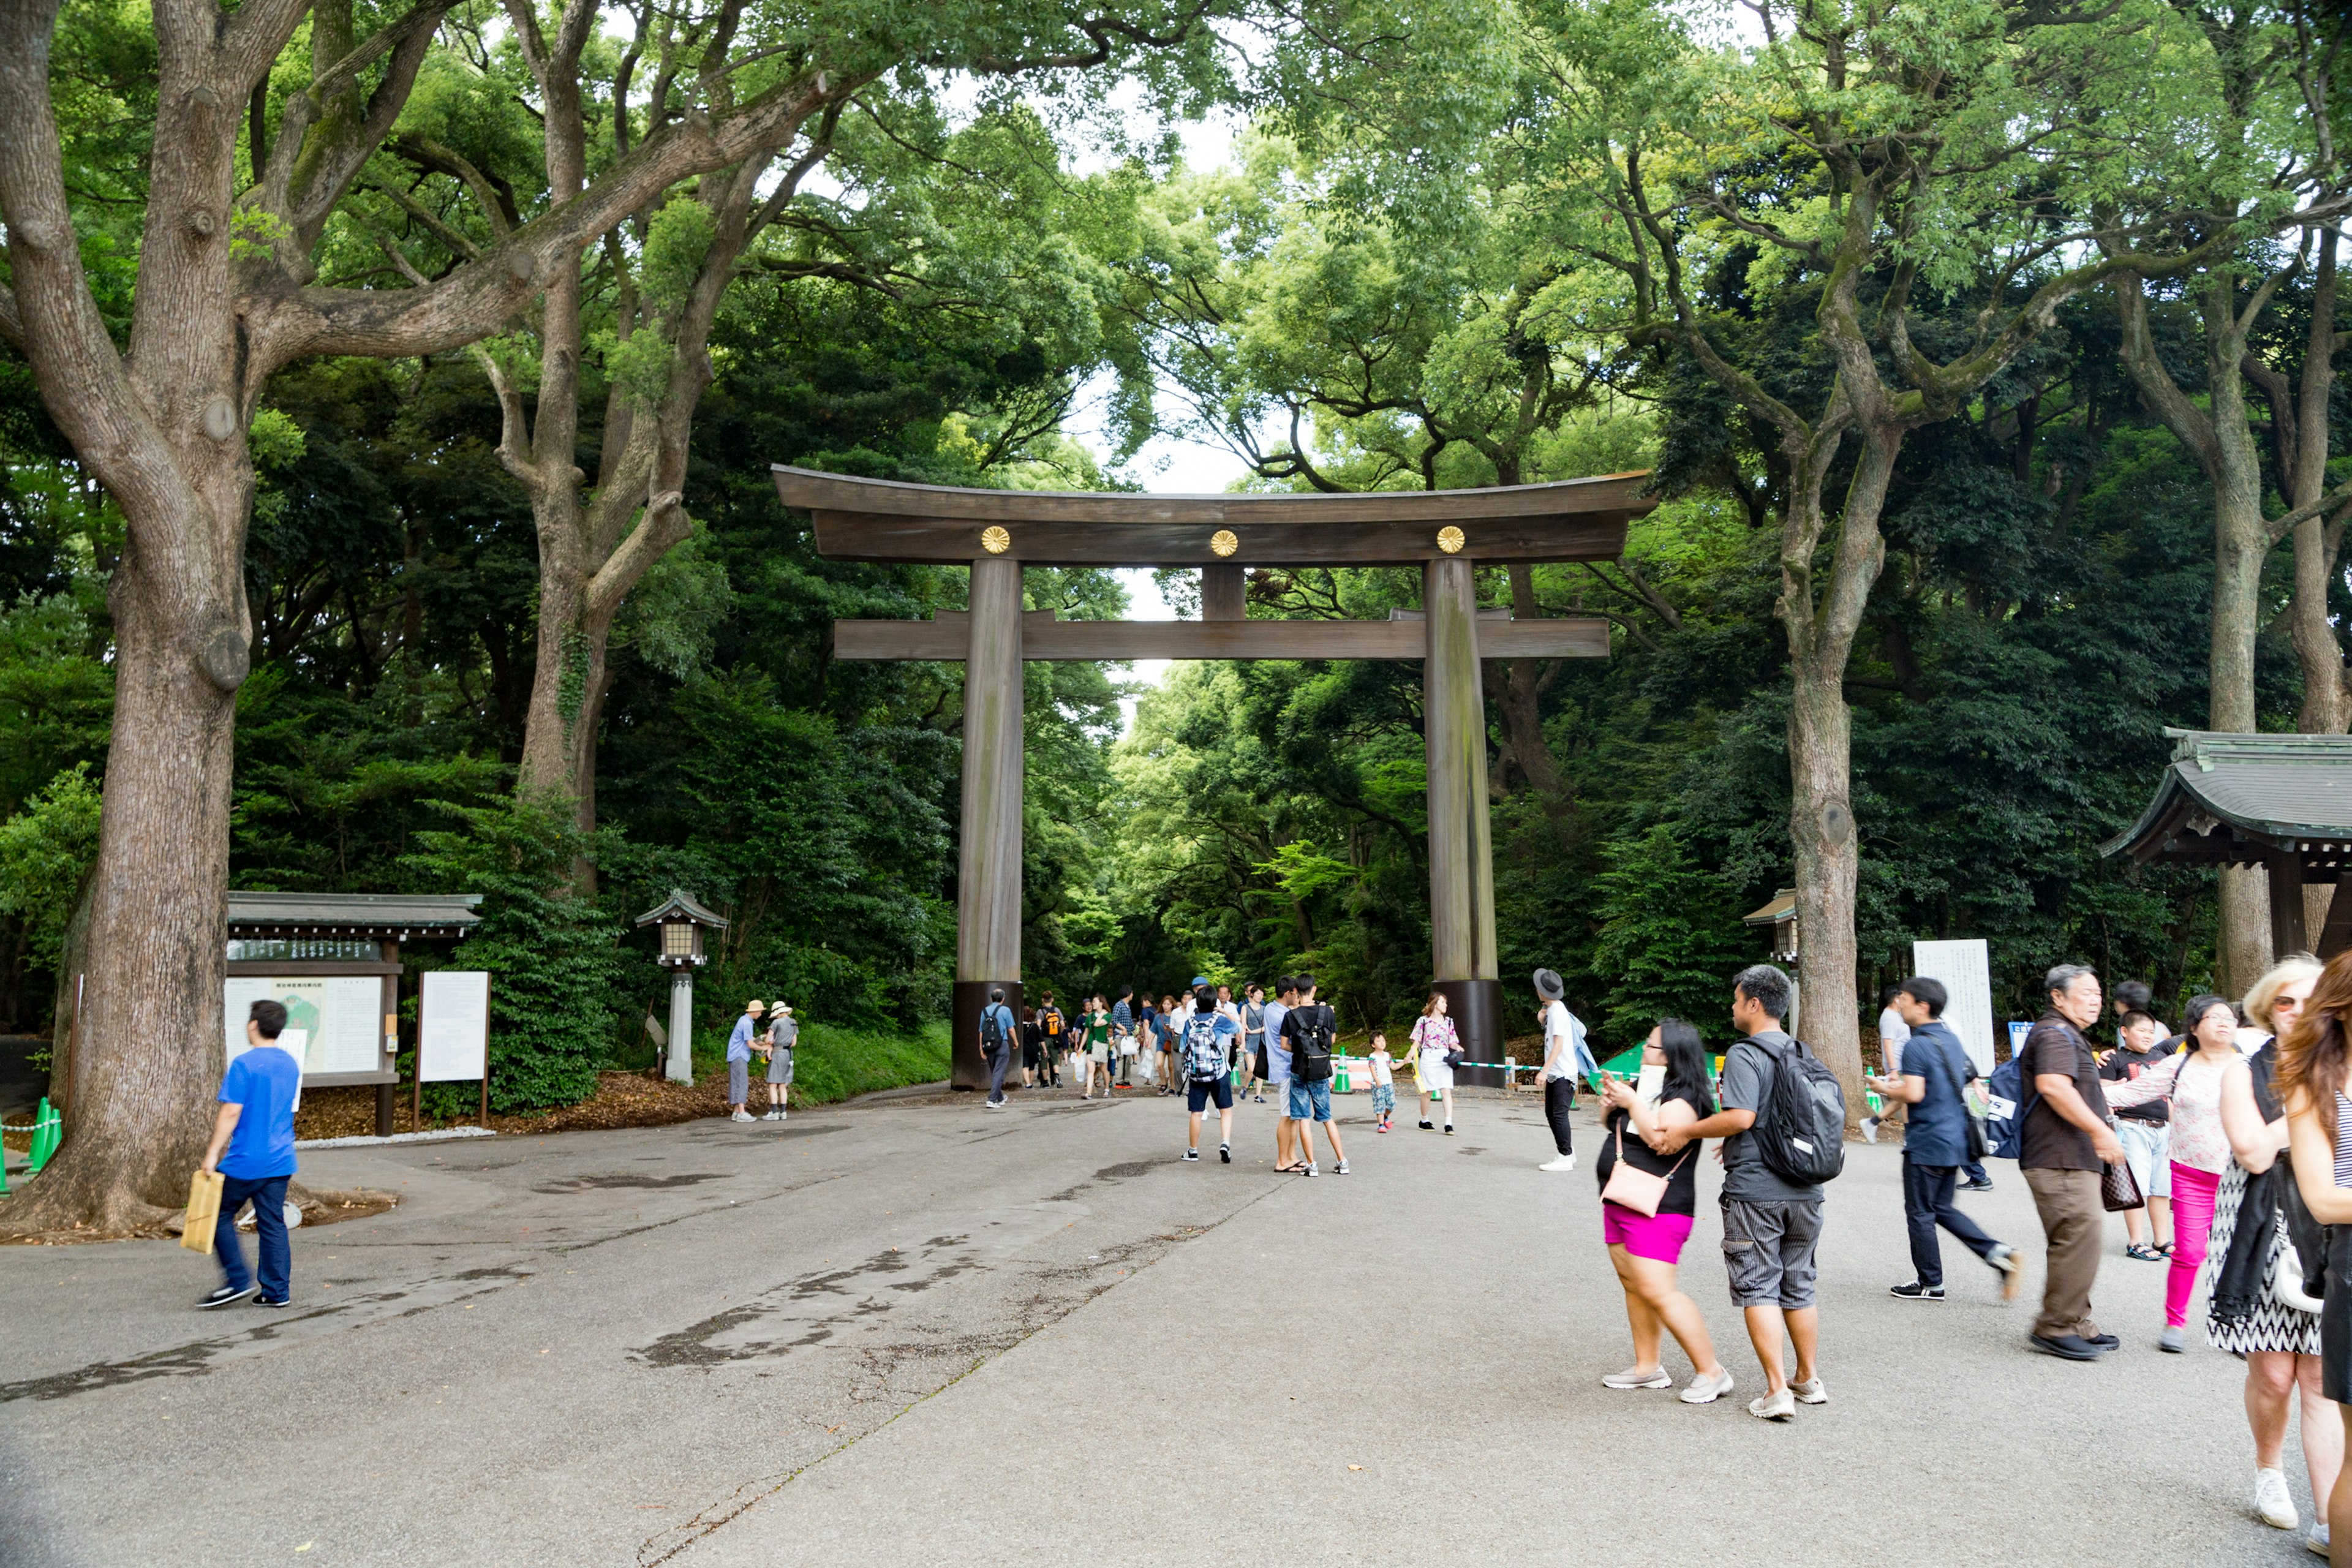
{"x": 253, "y": 1152}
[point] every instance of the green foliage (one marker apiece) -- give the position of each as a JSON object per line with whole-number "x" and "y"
{"x": 1669, "y": 938}
{"x": 46, "y": 850}
{"x": 550, "y": 952}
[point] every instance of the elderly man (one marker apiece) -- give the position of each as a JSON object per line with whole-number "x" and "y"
{"x": 2063, "y": 1139}
{"x": 738, "y": 1058}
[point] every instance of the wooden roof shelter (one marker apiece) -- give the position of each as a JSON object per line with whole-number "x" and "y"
{"x": 2280, "y": 802}
{"x": 1446, "y": 533}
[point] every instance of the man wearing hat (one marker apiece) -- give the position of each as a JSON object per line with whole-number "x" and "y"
{"x": 783, "y": 1033}
{"x": 739, "y": 1059}
{"x": 1566, "y": 1057}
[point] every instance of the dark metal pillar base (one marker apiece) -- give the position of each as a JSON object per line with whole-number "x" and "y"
{"x": 384, "y": 1093}
{"x": 967, "y": 1067}
{"x": 1477, "y": 1008}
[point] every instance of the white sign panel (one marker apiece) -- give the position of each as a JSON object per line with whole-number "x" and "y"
{"x": 333, "y": 1022}
{"x": 453, "y": 1025}
{"x": 1966, "y": 970}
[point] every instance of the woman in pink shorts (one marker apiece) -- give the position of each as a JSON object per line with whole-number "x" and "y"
{"x": 1644, "y": 1247}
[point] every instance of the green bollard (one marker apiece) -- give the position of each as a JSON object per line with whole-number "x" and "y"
{"x": 45, "y": 1137}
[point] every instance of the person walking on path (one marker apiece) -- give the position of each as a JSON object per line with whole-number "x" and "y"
{"x": 1566, "y": 1057}
{"x": 1172, "y": 1039}
{"x": 252, "y": 1147}
{"x": 1435, "y": 1045}
{"x": 1383, "y": 1071}
{"x": 1310, "y": 1027}
{"x": 1122, "y": 1038}
{"x": 2309, "y": 1082}
{"x": 738, "y": 1058}
{"x": 2145, "y": 1134}
{"x": 1771, "y": 1225}
{"x": 998, "y": 1032}
{"x": 1052, "y": 1029}
{"x": 1098, "y": 1045}
{"x": 1277, "y": 1076}
{"x": 1253, "y": 1036}
{"x": 1892, "y": 1032}
{"x": 1932, "y": 1087}
{"x": 1206, "y": 1039}
{"x": 2063, "y": 1139}
{"x": 2249, "y": 1312}
{"x": 783, "y": 1035}
{"x": 1647, "y": 1214}
{"x": 2191, "y": 1084}
{"x": 1033, "y": 1047}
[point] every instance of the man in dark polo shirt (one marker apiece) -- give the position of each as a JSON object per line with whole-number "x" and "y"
{"x": 2062, "y": 1142}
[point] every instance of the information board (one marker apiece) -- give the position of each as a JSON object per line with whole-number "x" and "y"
{"x": 334, "y": 1023}
{"x": 1965, "y": 968}
{"x": 453, "y": 1024}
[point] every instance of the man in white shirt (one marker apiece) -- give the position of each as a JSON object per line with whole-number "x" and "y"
{"x": 1565, "y": 1055}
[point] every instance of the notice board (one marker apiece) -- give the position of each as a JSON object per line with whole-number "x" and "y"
{"x": 453, "y": 1025}
{"x": 1965, "y": 968}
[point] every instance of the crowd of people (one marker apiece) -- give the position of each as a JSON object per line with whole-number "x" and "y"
{"x": 2228, "y": 1143}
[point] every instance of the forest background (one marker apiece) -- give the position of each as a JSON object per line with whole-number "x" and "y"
{"x": 1423, "y": 274}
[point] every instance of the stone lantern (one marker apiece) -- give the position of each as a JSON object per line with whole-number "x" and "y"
{"x": 682, "y": 921}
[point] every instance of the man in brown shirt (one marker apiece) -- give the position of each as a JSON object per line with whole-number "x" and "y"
{"x": 2063, "y": 1142}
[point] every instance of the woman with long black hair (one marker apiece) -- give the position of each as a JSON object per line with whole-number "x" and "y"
{"x": 1647, "y": 1201}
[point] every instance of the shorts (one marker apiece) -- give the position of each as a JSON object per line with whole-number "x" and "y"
{"x": 738, "y": 1082}
{"x": 1280, "y": 1089}
{"x": 1033, "y": 1056}
{"x": 780, "y": 1066}
{"x": 2147, "y": 1149}
{"x": 1769, "y": 1252}
{"x": 1383, "y": 1098}
{"x": 1100, "y": 1053}
{"x": 1658, "y": 1238}
{"x": 1201, "y": 1091}
{"x": 1311, "y": 1102}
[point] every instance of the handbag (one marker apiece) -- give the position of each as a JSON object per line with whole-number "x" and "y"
{"x": 2119, "y": 1188}
{"x": 1640, "y": 1191}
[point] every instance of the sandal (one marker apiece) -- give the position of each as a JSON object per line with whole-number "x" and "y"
{"x": 2144, "y": 1252}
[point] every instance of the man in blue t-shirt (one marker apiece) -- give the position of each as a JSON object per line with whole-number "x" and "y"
{"x": 998, "y": 1032}
{"x": 253, "y": 1149}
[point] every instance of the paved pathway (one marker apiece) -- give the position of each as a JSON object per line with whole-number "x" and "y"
{"x": 917, "y": 1332}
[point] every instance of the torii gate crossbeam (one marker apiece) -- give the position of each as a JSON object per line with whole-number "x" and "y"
{"x": 1448, "y": 533}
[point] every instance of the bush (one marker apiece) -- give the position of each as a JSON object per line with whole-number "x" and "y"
{"x": 552, "y": 954}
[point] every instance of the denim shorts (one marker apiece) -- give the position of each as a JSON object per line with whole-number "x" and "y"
{"x": 1200, "y": 1091}
{"x": 1310, "y": 1102}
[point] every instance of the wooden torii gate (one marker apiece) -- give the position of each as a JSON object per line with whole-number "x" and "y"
{"x": 1448, "y": 533}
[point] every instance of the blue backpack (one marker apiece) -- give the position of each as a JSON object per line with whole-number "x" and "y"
{"x": 2008, "y": 1096}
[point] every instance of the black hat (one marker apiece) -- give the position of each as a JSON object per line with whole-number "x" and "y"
{"x": 1549, "y": 986}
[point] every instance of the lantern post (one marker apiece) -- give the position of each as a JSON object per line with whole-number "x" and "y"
{"x": 682, "y": 921}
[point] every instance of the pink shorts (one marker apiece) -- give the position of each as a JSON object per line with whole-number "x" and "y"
{"x": 1659, "y": 1237}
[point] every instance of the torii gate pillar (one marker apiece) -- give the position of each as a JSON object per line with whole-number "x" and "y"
{"x": 1461, "y": 845}
{"x": 988, "y": 879}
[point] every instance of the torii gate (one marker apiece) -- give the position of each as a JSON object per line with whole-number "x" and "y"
{"x": 1447, "y": 534}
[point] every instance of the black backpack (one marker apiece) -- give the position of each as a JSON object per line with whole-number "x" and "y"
{"x": 991, "y": 1027}
{"x": 1800, "y": 1131}
{"x": 1310, "y": 1043}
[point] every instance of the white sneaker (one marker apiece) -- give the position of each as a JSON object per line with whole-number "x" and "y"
{"x": 741, "y": 1116}
{"x": 2273, "y": 1504}
{"x": 1809, "y": 1392}
{"x": 1634, "y": 1377}
{"x": 1779, "y": 1407}
{"x": 1565, "y": 1163}
{"x": 1870, "y": 1129}
{"x": 1706, "y": 1390}
{"x": 784, "y": 1116}
{"x": 2317, "y": 1539}
{"x": 770, "y": 1117}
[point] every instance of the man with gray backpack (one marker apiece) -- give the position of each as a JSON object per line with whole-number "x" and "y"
{"x": 1204, "y": 1037}
{"x": 1783, "y": 1130}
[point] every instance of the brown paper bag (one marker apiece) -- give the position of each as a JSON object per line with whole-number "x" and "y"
{"x": 203, "y": 1211}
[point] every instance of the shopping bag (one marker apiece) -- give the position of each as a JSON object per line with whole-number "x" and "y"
{"x": 203, "y": 1211}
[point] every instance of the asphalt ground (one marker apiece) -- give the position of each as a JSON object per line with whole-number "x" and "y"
{"x": 915, "y": 1332}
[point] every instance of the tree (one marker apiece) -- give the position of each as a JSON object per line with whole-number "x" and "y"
{"x": 236, "y": 276}
{"x": 1860, "y": 157}
{"x": 2257, "y": 84}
